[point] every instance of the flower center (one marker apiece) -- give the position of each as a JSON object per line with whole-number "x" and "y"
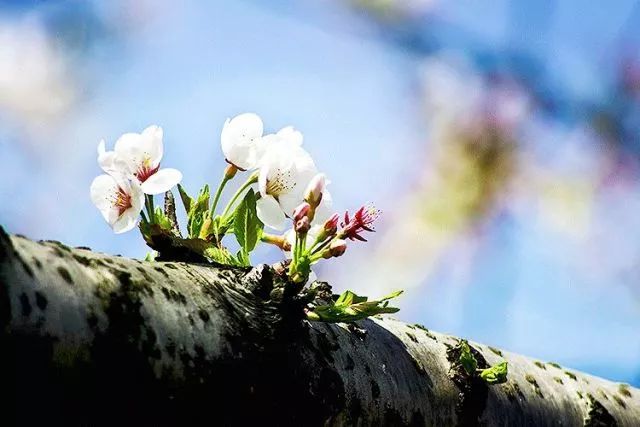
{"x": 122, "y": 201}
{"x": 145, "y": 170}
{"x": 280, "y": 183}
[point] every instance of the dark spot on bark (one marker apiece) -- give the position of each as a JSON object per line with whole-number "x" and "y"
{"x": 540, "y": 365}
{"x": 37, "y": 263}
{"x": 82, "y": 260}
{"x": 349, "y": 364}
{"x": 571, "y": 375}
{"x": 191, "y": 321}
{"x": 536, "y": 387}
{"x": 619, "y": 401}
{"x": 83, "y": 248}
{"x": 27, "y": 269}
{"x": 161, "y": 270}
{"x": 495, "y": 351}
{"x": 598, "y": 415}
{"x": 203, "y": 315}
{"x": 144, "y": 273}
{"x": 558, "y": 380}
{"x": 412, "y": 337}
{"x": 64, "y": 273}
{"x": 367, "y": 369}
{"x": 417, "y": 419}
{"x": 623, "y": 389}
{"x": 326, "y": 347}
{"x": 474, "y": 392}
{"x": 41, "y": 301}
{"x": 513, "y": 391}
{"x": 554, "y": 364}
{"x": 375, "y": 389}
{"x": 25, "y": 304}
{"x": 171, "y": 266}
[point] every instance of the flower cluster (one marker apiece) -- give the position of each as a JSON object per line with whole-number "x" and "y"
{"x": 283, "y": 185}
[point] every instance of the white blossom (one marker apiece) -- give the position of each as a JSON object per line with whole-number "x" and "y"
{"x": 119, "y": 200}
{"x": 138, "y": 156}
{"x": 241, "y": 141}
{"x": 285, "y": 170}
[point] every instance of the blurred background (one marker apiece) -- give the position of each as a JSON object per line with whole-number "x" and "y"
{"x": 501, "y": 139}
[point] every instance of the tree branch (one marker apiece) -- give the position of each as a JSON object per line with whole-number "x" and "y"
{"x": 92, "y": 339}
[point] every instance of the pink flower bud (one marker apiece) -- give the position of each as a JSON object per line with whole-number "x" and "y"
{"x": 336, "y": 248}
{"x": 313, "y": 193}
{"x": 302, "y": 225}
{"x": 301, "y": 211}
{"x": 331, "y": 225}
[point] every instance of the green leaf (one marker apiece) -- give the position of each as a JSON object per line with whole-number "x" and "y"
{"x": 466, "y": 359}
{"x": 151, "y": 256}
{"x": 221, "y": 256}
{"x": 162, "y": 220}
{"x": 247, "y": 227}
{"x": 186, "y": 199}
{"x": 350, "y": 307}
{"x": 198, "y": 212}
{"x": 496, "y": 374}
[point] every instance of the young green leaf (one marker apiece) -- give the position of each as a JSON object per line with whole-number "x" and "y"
{"x": 466, "y": 359}
{"x": 496, "y": 374}
{"x": 350, "y": 307}
{"x": 246, "y": 225}
{"x": 221, "y": 256}
{"x": 198, "y": 212}
{"x": 186, "y": 199}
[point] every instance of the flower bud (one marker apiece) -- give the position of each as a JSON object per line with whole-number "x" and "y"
{"x": 313, "y": 193}
{"x": 331, "y": 225}
{"x": 336, "y": 248}
{"x": 230, "y": 171}
{"x": 302, "y": 225}
{"x": 301, "y": 211}
{"x": 279, "y": 241}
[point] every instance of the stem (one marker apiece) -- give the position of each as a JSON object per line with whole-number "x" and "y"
{"x": 252, "y": 179}
{"x": 148, "y": 202}
{"x": 229, "y": 173}
{"x": 322, "y": 246}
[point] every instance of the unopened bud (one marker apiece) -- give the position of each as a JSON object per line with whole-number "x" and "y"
{"x": 303, "y": 225}
{"x": 279, "y": 241}
{"x": 336, "y": 248}
{"x": 301, "y": 211}
{"x": 313, "y": 193}
{"x": 230, "y": 171}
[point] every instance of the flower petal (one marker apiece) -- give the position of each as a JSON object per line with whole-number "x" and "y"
{"x": 101, "y": 191}
{"x": 289, "y": 202}
{"x": 290, "y": 136}
{"x": 152, "y": 144}
{"x": 270, "y": 213}
{"x": 161, "y": 181}
{"x": 240, "y": 140}
{"x": 127, "y": 221}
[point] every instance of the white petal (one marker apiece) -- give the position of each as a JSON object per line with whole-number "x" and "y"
{"x": 325, "y": 210}
{"x": 152, "y": 143}
{"x": 262, "y": 180}
{"x": 161, "y": 181}
{"x": 106, "y": 159}
{"x": 129, "y": 152}
{"x": 126, "y": 221}
{"x": 239, "y": 140}
{"x": 270, "y": 213}
{"x": 290, "y": 135}
{"x": 101, "y": 191}
{"x": 290, "y": 201}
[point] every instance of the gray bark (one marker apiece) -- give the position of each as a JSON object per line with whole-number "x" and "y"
{"x": 88, "y": 338}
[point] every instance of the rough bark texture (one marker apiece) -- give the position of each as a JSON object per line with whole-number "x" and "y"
{"x": 92, "y": 339}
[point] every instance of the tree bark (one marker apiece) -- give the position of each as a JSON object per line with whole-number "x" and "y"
{"x": 92, "y": 339}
